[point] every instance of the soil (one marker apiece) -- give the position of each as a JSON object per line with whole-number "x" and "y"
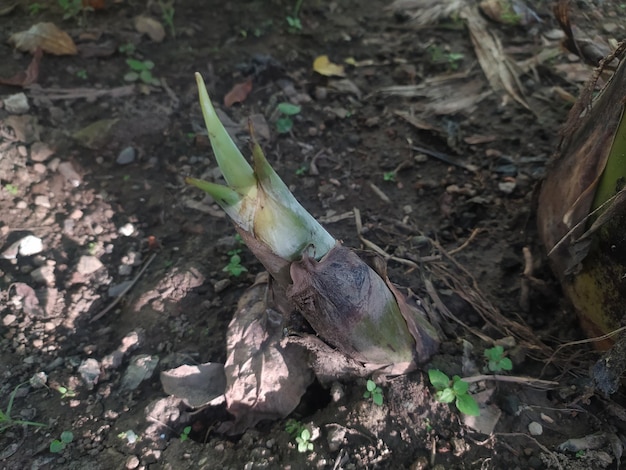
{"x": 110, "y": 205}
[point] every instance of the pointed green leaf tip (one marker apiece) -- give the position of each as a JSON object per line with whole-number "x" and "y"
{"x": 236, "y": 170}
{"x": 223, "y": 195}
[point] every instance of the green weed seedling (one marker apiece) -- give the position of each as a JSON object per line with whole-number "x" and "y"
{"x": 389, "y": 176}
{"x": 301, "y": 171}
{"x": 71, "y": 8}
{"x": 374, "y": 392}
{"x": 7, "y": 422}
{"x": 58, "y": 445}
{"x": 141, "y": 70}
{"x": 455, "y": 390}
{"x": 127, "y": 48}
{"x": 65, "y": 392}
{"x": 81, "y": 73}
{"x": 35, "y": 8}
{"x": 293, "y": 20}
{"x": 498, "y": 362}
{"x": 185, "y": 434}
{"x": 234, "y": 267}
{"x": 303, "y": 441}
{"x": 12, "y": 189}
{"x": 300, "y": 433}
{"x": 167, "y": 13}
{"x": 284, "y": 123}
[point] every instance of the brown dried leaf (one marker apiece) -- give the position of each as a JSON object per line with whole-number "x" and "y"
{"x": 28, "y": 77}
{"x": 238, "y": 93}
{"x": 153, "y": 28}
{"x": 46, "y": 36}
{"x": 499, "y": 70}
{"x": 265, "y": 379}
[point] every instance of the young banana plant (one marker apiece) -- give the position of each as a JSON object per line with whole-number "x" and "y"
{"x": 349, "y": 303}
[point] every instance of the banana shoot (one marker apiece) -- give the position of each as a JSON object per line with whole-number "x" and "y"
{"x": 349, "y": 303}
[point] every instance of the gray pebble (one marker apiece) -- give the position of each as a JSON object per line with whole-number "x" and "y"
{"x": 126, "y": 156}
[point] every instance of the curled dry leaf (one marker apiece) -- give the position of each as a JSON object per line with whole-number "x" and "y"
{"x": 238, "y": 93}
{"x": 153, "y": 28}
{"x": 324, "y": 66}
{"x": 265, "y": 378}
{"x": 28, "y": 77}
{"x": 46, "y": 36}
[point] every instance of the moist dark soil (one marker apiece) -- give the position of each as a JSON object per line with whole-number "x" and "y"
{"x": 93, "y": 168}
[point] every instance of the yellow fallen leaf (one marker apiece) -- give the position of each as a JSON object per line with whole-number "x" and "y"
{"x": 324, "y": 66}
{"x": 46, "y": 36}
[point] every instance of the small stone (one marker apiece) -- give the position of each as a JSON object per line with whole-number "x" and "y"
{"x": 30, "y": 245}
{"x": 88, "y": 265}
{"x": 40, "y": 168}
{"x": 38, "y": 380}
{"x": 40, "y": 152}
{"x": 337, "y": 392}
{"x": 610, "y": 28}
{"x": 42, "y": 201}
{"x": 507, "y": 187}
{"x": 221, "y": 285}
{"x": 21, "y": 205}
{"x": 126, "y": 229}
{"x": 44, "y": 275}
{"x": 126, "y": 156}
{"x": 89, "y": 370}
{"x": 141, "y": 368}
{"x": 8, "y": 319}
{"x": 117, "y": 289}
{"x": 22, "y": 150}
{"x": 535, "y": 429}
{"x": 16, "y": 104}
{"x": 69, "y": 173}
{"x": 125, "y": 270}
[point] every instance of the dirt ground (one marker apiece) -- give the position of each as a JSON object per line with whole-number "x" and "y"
{"x": 92, "y": 196}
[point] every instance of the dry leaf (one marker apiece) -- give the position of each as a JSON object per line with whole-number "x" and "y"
{"x": 496, "y": 66}
{"x": 151, "y": 27}
{"x": 324, "y": 66}
{"x": 46, "y": 36}
{"x": 238, "y": 93}
{"x": 265, "y": 379}
{"x": 24, "y": 79}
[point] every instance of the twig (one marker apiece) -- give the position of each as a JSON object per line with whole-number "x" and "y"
{"x": 511, "y": 378}
{"x": 374, "y": 247}
{"x": 446, "y": 158}
{"x": 475, "y": 232}
{"x": 125, "y": 291}
{"x": 379, "y": 192}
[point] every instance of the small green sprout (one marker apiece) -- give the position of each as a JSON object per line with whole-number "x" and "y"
{"x": 284, "y": 123}
{"x": 12, "y": 189}
{"x": 304, "y": 445}
{"x": 65, "y": 392}
{"x": 5, "y": 416}
{"x": 234, "y": 267}
{"x": 580, "y": 454}
{"x": 301, "y": 171}
{"x": 455, "y": 390}
{"x": 294, "y": 24}
{"x": 185, "y": 434}
{"x": 81, "y": 73}
{"x": 71, "y": 8}
{"x": 167, "y": 13}
{"x": 389, "y": 176}
{"x": 35, "y": 8}
{"x": 141, "y": 70}
{"x": 497, "y": 361}
{"x": 127, "y": 48}
{"x": 130, "y": 436}
{"x": 374, "y": 392}
{"x": 439, "y": 55}
{"x": 301, "y": 434}
{"x": 57, "y": 445}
